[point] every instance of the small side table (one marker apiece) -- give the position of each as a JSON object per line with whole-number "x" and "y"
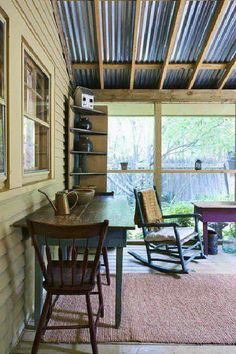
{"x": 214, "y": 212}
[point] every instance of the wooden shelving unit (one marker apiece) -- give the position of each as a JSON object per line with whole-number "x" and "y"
{"x": 96, "y": 160}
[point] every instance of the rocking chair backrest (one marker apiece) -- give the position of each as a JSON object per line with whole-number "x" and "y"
{"x": 70, "y": 233}
{"x": 148, "y": 209}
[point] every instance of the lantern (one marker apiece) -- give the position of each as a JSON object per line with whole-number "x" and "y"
{"x": 198, "y": 165}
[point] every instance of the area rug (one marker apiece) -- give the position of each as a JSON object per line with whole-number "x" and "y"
{"x": 187, "y": 309}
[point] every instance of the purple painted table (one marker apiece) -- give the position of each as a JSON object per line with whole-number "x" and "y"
{"x": 214, "y": 212}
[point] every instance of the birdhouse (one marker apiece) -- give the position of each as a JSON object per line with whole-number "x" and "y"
{"x": 84, "y": 97}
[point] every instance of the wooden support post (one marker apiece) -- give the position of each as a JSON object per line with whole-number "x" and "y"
{"x": 157, "y": 147}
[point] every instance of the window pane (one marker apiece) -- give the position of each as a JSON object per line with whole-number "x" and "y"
{"x": 185, "y": 188}
{"x": 124, "y": 184}
{"x": 36, "y": 146}
{"x": 2, "y": 140}
{"x": 2, "y": 69}
{"x": 36, "y": 94}
{"x": 131, "y": 139}
{"x": 209, "y": 139}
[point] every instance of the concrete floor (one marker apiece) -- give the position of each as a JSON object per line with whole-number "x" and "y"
{"x": 222, "y": 263}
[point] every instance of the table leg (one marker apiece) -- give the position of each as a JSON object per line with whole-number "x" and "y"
{"x": 119, "y": 269}
{"x": 38, "y": 290}
{"x": 205, "y": 238}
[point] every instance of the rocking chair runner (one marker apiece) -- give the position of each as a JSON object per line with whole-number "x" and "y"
{"x": 165, "y": 238}
{"x": 68, "y": 276}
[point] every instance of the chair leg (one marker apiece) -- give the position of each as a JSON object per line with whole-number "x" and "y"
{"x": 99, "y": 284}
{"x": 41, "y": 323}
{"x": 148, "y": 252}
{"x": 92, "y": 327}
{"x": 105, "y": 259}
{"x": 182, "y": 260}
{"x": 201, "y": 247}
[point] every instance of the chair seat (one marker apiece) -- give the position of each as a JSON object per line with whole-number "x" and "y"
{"x": 63, "y": 278}
{"x": 168, "y": 234}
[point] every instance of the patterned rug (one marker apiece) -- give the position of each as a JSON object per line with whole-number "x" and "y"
{"x": 157, "y": 308}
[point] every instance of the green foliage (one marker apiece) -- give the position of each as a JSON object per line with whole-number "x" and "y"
{"x": 179, "y": 208}
{"x": 230, "y": 231}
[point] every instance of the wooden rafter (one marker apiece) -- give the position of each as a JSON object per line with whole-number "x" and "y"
{"x": 99, "y": 41}
{"x": 136, "y": 22}
{"x": 174, "y": 30}
{"x": 191, "y": 96}
{"x": 65, "y": 49}
{"x": 149, "y": 66}
{"x": 219, "y": 13}
{"x": 230, "y": 67}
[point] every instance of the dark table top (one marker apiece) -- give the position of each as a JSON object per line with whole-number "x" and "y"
{"x": 215, "y": 205}
{"x": 114, "y": 209}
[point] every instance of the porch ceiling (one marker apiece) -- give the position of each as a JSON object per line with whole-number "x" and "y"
{"x": 151, "y": 44}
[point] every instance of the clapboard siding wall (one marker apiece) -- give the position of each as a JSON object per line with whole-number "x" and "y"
{"x": 31, "y": 22}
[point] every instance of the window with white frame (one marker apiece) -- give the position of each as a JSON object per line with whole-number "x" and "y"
{"x": 2, "y": 97}
{"x": 36, "y": 120}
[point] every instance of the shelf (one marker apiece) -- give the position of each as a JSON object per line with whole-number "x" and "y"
{"x": 87, "y": 132}
{"x": 88, "y": 112}
{"x": 88, "y": 174}
{"x": 88, "y": 152}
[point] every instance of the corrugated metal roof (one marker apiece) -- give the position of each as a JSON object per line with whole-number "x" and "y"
{"x": 231, "y": 82}
{"x": 146, "y": 79}
{"x": 116, "y": 78}
{"x": 154, "y": 30}
{"x": 177, "y": 79}
{"x": 117, "y": 19}
{"x": 78, "y": 21}
{"x": 208, "y": 79}
{"x": 223, "y": 46}
{"x": 87, "y": 78}
{"x": 193, "y": 30}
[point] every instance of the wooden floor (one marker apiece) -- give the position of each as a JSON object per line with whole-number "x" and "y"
{"x": 222, "y": 263}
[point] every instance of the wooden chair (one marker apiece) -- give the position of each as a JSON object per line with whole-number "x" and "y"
{"x": 104, "y": 249}
{"x": 68, "y": 276}
{"x": 165, "y": 238}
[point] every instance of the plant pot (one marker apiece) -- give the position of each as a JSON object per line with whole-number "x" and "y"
{"x": 85, "y": 195}
{"x": 124, "y": 165}
{"x": 229, "y": 244}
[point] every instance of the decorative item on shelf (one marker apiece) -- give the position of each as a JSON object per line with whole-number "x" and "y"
{"x": 84, "y": 123}
{"x": 61, "y": 205}
{"x": 124, "y": 165}
{"x": 198, "y": 165}
{"x": 82, "y": 143}
{"x": 84, "y": 97}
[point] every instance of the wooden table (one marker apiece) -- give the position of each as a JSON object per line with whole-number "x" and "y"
{"x": 120, "y": 217}
{"x": 214, "y": 212}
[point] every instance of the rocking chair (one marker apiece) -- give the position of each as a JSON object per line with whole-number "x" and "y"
{"x": 176, "y": 244}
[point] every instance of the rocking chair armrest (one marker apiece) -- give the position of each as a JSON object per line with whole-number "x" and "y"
{"x": 190, "y": 215}
{"x": 160, "y": 224}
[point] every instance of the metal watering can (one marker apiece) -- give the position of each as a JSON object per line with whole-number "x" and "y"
{"x": 61, "y": 205}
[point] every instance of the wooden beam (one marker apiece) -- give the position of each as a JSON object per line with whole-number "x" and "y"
{"x": 219, "y": 13}
{"x": 168, "y": 96}
{"x": 65, "y": 49}
{"x": 229, "y": 69}
{"x": 180, "y": 5}
{"x": 136, "y": 22}
{"x": 99, "y": 41}
{"x": 149, "y": 66}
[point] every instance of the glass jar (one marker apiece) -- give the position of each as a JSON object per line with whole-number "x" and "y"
{"x": 82, "y": 143}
